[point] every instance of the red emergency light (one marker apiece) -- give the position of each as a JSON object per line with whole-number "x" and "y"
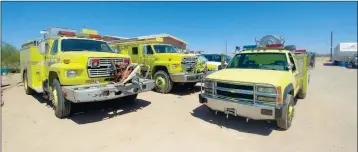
{"x": 95, "y": 63}
{"x": 301, "y": 51}
{"x": 274, "y": 45}
{"x": 93, "y": 36}
{"x": 66, "y": 33}
{"x": 126, "y": 60}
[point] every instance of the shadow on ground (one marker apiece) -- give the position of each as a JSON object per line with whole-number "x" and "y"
{"x": 329, "y": 64}
{"x": 263, "y": 128}
{"x": 182, "y": 90}
{"x": 83, "y": 113}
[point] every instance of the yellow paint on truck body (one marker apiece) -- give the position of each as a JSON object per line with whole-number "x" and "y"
{"x": 40, "y": 65}
{"x": 278, "y": 78}
{"x": 171, "y": 61}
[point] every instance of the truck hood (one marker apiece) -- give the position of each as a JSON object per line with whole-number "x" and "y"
{"x": 251, "y": 76}
{"x": 79, "y": 57}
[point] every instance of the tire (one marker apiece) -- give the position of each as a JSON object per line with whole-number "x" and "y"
{"x": 287, "y": 115}
{"x": 163, "y": 83}
{"x": 130, "y": 98}
{"x": 27, "y": 89}
{"x": 301, "y": 94}
{"x": 61, "y": 105}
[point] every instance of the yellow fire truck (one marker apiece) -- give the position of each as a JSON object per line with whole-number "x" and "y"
{"x": 261, "y": 82}
{"x": 167, "y": 66}
{"x": 72, "y": 67}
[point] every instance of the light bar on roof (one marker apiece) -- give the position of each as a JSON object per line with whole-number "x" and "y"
{"x": 274, "y": 45}
{"x": 301, "y": 51}
{"x": 66, "y": 33}
{"x": 248, "y": 47}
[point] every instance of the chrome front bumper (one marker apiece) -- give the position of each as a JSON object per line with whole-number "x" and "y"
{"x": 186, "y": 77}
{"x": 252, "y": 111}
{"x": 98, "y": 92}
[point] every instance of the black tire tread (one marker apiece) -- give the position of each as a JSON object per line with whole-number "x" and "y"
{"x": 64, "y": 106}
{"x": 283, "y": 122}
{"x": 169, "y": 83}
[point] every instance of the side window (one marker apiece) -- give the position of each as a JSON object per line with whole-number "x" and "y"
{"x": 149, "y": 49}
{"x": 134, "y": 50}
{"x": 54, "y": 47}
{"x": 292, "y": 61}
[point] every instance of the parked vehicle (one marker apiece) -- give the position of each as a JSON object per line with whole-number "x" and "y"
{"x": 342, "y": 51}
{"x": 261, "y": 82}
{"x": 167, "y": 66}
{"x": 73, "y": 68}
{"x": 353, "y": 61}
{"x": 216, "y": 59}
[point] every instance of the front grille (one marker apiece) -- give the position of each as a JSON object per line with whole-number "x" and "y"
{"x": 235, "y": 86}
{"x": 188, "y": 63}
{"x": 239, "y": 92}
{"x": 235, "y": 95}
{"x": 105, "y": 68}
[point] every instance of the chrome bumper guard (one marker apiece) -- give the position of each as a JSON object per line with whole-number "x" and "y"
{"x": 99, "y": 92}
{"x": 186, "y": 77}
{"x": 252, "y": 111}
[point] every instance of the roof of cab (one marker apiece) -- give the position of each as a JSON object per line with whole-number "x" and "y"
{"x": 265, "y": 51}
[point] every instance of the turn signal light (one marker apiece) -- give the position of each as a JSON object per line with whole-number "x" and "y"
{"x": 279, "y": 95}
{"x": 126, "y": 60}
{"x": 66, "y": 61}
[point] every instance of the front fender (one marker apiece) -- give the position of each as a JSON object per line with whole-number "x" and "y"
{"x": 168, "y": 65}
{"x": 287, "y": 90}
{"x": 60, "y": 69}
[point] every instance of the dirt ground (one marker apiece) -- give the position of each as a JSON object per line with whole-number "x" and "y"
{"x": 326, "y": 121}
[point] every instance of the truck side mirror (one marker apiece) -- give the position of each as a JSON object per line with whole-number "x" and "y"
{"x": 290, "y": 66}
{"x": 42, "y": 47}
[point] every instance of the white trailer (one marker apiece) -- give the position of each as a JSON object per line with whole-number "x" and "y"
{"x": 343, "y": 51}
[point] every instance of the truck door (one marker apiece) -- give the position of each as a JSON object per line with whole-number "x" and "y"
{"x": 295, "y": 73}
{"x": 148, "y": 56}
{"x": 51, "y": 56}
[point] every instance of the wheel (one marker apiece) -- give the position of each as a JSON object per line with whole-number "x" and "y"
{"x": 190, "y": 84}
{"x": 163, "y": 84}
{"x": 130, "y": 98}
{"x": 28, "y": 90}
{"x": 61, "y": 105}
{"x": 301, "y": 94}
{"x": 287, "y": 114}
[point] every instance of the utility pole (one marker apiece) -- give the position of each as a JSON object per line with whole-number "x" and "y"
{"x": 226, "y": 46}
{"x": 331, "y": 43}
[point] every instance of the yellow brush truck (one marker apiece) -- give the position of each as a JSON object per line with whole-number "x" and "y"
{"x": 74, "y": 68}
{"x": 167, "y": 66}
{"x": 261, "y": 83}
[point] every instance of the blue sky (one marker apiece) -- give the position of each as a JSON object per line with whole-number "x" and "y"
{"x": 205, "y": 25}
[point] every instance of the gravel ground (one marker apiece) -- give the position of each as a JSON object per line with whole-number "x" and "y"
{"x": 326, "y": 121}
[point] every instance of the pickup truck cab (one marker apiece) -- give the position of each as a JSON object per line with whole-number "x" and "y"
{"x": 259, "y": 83}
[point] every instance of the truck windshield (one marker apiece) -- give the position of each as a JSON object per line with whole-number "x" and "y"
{"x": 84, "y": 45}
{"x": 202, "y": 58}
{"x": 164, "y": 49}
{"x": 265, "y": 61}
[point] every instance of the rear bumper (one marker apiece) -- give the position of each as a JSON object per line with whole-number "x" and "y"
{"x": 98, "y": 92}
{"x": 186, "y": 77}
{"x": 252, "y": 111}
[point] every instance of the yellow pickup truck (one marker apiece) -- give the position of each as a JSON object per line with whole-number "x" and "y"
{"x": 70, "y": 67}
{"x": 166, "y": 65}
{"x": 261, "y": 83}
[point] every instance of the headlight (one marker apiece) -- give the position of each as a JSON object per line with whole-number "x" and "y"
{"x": 71, "y": 73}
{"x": 266, "y": 89}
{"x": 208, "y": 84}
